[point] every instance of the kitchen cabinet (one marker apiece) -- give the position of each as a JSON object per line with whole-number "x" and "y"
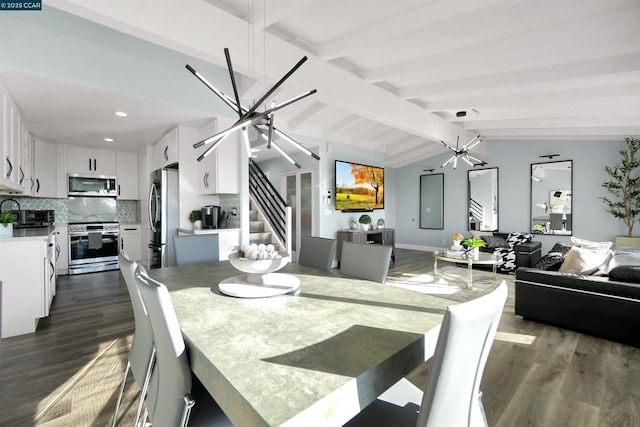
{"x": 131, "y": 240}
{"x": 218, "y": 172}
{"x": 26, "y": 292}
{"x": 11, "y": 127}
{"x": 26, "y": 162}
{"x": 127, "y": 175}
{"x": 44, "y": 169}
{"x": 91, "y": 161}
{"x": 62, "y": 250}
{"x": 165, "y": 151}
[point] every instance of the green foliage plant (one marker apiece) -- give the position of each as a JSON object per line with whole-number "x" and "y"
{"x": 364, "y": 219}
{"x": 195, "y": 216}
{"x": 624, "y": 186}
{"x": 7, "y": 218}
{"x": 474, "y": 242}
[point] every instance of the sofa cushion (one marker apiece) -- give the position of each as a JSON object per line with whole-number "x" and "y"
{"x": 480, "y": 234}
{"x": 626, "y": 273}
{"x": 584, "y": 261}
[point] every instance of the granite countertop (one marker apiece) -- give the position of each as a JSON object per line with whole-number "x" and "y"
{"x": 29, "y": 233}
{"x": 206, "y": 230}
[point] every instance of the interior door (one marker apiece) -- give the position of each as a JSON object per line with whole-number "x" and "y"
{"x": 297, "y": 187}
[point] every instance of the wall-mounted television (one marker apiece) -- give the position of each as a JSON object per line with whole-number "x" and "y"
{"x": 358, "y": 187}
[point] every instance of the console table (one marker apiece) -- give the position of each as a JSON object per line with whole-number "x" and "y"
{"x": 382, "y": 236}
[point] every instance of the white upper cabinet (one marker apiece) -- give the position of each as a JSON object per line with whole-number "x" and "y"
{"x": 165, "y": 151}
{"x": 218, "y": 172}
{"x": 127, "y": 175}
{"x": 92, "y": 161}
{"x": 45, "y": 169}
{"x": 11, "y": 129}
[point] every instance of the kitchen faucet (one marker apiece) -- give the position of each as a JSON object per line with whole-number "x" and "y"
{"x": 9, "y": 200}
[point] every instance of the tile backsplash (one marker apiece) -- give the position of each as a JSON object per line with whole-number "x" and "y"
{"x": 89, "y": 209}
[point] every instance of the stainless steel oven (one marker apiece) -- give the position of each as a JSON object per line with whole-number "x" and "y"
{"x": 93, "y": 247}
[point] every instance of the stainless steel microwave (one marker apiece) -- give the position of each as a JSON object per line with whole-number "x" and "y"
{"x": 92, "y": 185}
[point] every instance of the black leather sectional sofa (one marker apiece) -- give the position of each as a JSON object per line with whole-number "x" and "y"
{"x": 607, "y": 306}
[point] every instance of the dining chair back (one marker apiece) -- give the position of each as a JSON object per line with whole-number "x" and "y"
{"x": 370, "y": 262}
{"x": 555, "y": 220}
{"x": 169, "y": 402}
{"x": 196, "y": 249}
{"x": 568, "y": 224}
{"x": 142, "y": 352}
{"x": 452, "y": 394}
{"x": 317, "y": 252}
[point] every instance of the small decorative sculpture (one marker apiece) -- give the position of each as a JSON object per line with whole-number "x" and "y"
{"x": 457, "y": 240}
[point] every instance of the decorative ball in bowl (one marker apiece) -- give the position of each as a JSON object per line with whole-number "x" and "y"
{"x": 257, "y": 261}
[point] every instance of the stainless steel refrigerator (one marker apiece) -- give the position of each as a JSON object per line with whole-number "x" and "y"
{"x": 164, "y": 216}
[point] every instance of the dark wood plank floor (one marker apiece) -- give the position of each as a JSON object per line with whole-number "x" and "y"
{"x": 68, "y": 372}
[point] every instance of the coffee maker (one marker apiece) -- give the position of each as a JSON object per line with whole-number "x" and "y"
{"x": 210, "y": 216}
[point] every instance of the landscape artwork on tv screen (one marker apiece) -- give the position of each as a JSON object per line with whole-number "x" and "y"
{"x": 359, "y": 187}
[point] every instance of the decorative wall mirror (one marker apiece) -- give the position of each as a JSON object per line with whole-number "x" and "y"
{"x": 432, "y": 201}
{"x": 551, "y": 202}
{"x": 483, "y": 199}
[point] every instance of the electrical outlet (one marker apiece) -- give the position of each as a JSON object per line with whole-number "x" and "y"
{"x": 442, "y": 241}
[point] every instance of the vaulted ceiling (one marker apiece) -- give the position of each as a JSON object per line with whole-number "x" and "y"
{"x": 392, "y": 74}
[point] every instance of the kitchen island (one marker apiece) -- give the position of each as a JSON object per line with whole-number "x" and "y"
{"x": 27, "y": 273}
{"x": 228, "y": 238}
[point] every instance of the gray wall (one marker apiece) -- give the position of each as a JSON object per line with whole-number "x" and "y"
{"x": 513, "y": 158}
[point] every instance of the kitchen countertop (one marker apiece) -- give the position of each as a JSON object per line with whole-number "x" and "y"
{"x": 28, "y": 233}
{"x": 206, "y": 231}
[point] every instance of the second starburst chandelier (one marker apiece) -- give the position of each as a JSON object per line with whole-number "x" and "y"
{"x": 262, "y": 122}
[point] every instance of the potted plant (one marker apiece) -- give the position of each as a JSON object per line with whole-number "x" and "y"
{"x": 365, "y": 220}
{"x": 7, "y": 219}
{"x": 195, "y": 217}
{"x": 473, "y": 244}
{"x": 624, "y": 187}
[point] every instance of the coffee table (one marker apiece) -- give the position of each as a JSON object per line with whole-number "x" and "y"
{"x": 465, "y": 258}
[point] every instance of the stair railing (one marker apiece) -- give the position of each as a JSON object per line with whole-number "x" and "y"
{"x": 476, "y": 210}
{"x": 272, "y": 206}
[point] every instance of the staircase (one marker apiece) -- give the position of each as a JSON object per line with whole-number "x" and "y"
{"x": 257, "y": 233}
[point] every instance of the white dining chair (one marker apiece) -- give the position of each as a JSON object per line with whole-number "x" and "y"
{"x": 317, "y": 252}
{"x": 366, "y": 261}
{"x": 170, "y": 401}
{"x": 196, "y": 249}
{"x": 452, "y": 395}
{"x": 142, "y": 352}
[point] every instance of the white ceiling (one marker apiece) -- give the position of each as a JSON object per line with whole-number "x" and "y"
{"x": 390, "y": 74}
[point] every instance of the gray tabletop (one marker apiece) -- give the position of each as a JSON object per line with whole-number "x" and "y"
{"x": 314, "y": 358}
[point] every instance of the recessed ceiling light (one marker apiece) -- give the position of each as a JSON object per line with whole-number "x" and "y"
{"x": 121, "y": 114}
{"x": 108, "y": 139}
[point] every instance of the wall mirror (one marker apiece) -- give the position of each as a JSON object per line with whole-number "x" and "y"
{"x": 483, "y": 199}
{"x": 551, "y": 203}
{"x": 432, "y": 201}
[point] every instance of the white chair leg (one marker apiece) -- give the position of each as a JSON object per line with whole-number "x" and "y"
{"x": 145, "y": 386}
{"x": 124, "y": 382}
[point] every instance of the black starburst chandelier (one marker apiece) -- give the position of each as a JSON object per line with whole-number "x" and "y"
{"x": 262, "y": 122}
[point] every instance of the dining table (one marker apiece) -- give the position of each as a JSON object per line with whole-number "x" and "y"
{"x": 316, "y": 357}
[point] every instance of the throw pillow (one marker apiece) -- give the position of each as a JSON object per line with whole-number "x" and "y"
{"x": 517, "y": 238}
{"x": 478, "y": 233}
{"x": 494, "y": 242}
{"x": 550, "y": 262}
{"x": 583, "y": 260}
{"x": 560, "y": 247}
{"x": 583, "y": 243}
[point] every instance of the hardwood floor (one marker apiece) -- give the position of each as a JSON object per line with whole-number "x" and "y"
{"x": 69, "y": 371}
